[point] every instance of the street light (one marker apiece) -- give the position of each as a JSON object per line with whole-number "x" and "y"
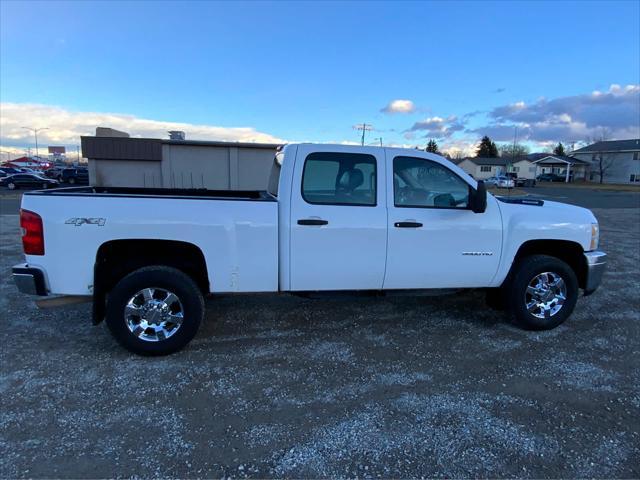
{"x": 35, "y": 133}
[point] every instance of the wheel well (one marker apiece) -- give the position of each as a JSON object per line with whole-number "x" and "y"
{"x": 567, "y": 251}
{"x": 118, "y": 258}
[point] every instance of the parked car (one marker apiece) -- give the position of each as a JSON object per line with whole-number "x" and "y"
{"x": 54, "y": 172}
{"x": 525, "y": 182}
{"x": 75, "y": 175}
{"x": 500, "y": 181}
{"x": 331, "y": 219}
{"x": 550, "y": 177}
{"x": 6, "y": 171}
{"x": 27, "y": 180}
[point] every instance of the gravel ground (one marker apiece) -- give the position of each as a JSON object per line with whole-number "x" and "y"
{"x": 291, "y": 387}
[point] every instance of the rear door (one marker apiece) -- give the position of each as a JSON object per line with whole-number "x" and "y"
{"x": 435, "y": 240}
{"x": 338, "y": 219}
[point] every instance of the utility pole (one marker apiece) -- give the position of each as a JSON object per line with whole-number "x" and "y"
{"x": 78, "y": 153}
{"x": 515, "y": 141}
{"x": 365, "y": 127}
{"x": 35, "y": 133}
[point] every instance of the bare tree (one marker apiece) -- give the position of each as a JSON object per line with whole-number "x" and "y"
{"x": 601, "y": 162}
{"x": 513, "y": 150}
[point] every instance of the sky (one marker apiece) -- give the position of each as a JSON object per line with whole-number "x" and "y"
{"x": 305, "y": 71}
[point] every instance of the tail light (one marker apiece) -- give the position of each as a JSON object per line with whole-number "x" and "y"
{"x": 32, "y": 233}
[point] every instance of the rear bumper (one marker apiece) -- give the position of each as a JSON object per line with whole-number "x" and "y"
{"x": 29, "y": 280}
{"x": 596, "y": 264}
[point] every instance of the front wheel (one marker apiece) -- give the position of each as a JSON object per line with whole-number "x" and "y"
{"x": 11, "y": 186}
{"x": 542, "y": 293}
{"x": 155, "y": 310}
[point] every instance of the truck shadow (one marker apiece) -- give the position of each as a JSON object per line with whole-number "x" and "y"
{"x": 244, "y": 316}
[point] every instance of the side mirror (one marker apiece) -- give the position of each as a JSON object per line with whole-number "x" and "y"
{"x": 478, "y": 198}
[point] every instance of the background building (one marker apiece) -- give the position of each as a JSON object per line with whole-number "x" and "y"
{"x": 572, "y": 169}
{"x": 150, "y": 162}
{"x": 482, "y": 168}
{"x": 620, "y": 160}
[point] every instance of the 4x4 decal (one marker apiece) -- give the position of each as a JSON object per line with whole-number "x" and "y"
{"x": 89, "y": 221}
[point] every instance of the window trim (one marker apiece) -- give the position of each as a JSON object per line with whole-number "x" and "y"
{"x": 468, "y": 207}
{"x": 341, "y": 204}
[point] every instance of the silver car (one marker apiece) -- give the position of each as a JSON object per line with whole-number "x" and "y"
{"x": 500, "y": 181}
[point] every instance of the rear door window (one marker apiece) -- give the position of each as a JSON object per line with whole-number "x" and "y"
{"x": 339, "y": 179}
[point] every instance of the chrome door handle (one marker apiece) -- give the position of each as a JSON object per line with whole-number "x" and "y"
{"x": 407, "y": 225}
{"x": 312, "y": 221}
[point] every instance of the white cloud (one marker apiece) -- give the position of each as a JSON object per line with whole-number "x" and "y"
{"x": 570, "y": 118}
{"x": 399, "y": 106}
{"x": 65, "y": 127}
{"x": 437, "y": 127}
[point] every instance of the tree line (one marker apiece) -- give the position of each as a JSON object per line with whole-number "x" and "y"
{"x": 488, "y": 149}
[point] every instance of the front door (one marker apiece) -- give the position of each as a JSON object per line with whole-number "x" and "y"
{"x": 338, "y": 220}
{"x": 435, "y": 240}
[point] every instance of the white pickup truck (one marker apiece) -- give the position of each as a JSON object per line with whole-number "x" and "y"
{"x": 334, "y": 218}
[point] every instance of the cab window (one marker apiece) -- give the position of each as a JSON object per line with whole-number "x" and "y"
{"x": 418, "y": 182}
{"x": 339, "y": 179}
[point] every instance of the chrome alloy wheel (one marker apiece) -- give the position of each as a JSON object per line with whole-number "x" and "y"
{"x": 153, "y": 314}
{"x": 545, "y": 295}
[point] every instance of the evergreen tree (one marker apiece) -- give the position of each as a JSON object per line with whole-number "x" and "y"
{"x": 559, "y": 150}
{"x": 432, "y": 146}
{"x": 487, "y": 148}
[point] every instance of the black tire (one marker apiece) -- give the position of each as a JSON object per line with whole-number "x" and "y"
{"x": 525, "y": 272}
{"x": 72, "y": 180}
{"x": 158, "y": 277}
{"x": 12, "y": 186}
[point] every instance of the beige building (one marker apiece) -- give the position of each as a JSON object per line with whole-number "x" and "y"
{"x": 483, "y": 168}
{"x": 120, "y": 161}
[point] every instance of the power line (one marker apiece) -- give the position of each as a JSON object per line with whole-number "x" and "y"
{"x": 365, "y": 127}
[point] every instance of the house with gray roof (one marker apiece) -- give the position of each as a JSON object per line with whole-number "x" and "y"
{"x": 619, "y": 160}
{"x": 572, "y": 169}
{"x": 482, "y": 168}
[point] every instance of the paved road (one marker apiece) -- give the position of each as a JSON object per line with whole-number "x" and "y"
{"x": 280, "y": 386}
{"x": 9, "y": 202}
{"x": 589, "y": 198}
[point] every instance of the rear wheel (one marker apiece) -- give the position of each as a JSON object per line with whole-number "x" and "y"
{"x": 542, "y": 293}
{"x": 155, "y": 310}
{"x": 12, "y": 186}
{"x": 72, "y": 180}
{"x": 45, "y": 186}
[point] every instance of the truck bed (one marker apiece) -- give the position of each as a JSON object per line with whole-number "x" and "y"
{"x": 193, "y": 193}
{"x": 236, "y": 232}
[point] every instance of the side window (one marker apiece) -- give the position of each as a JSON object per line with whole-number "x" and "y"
{"x": 423, "y": 183}
{"x": 339, "y": 179}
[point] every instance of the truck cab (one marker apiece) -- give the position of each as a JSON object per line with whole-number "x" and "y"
{"x": 381, "y": 218}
